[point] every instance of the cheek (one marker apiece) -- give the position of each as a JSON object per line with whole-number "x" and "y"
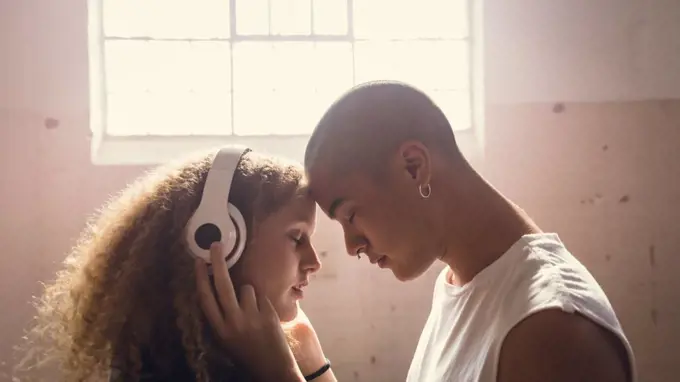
{"x": 386, "y": 226}
{"x": 394, "y": 234}
{"x": 271, "y": 268}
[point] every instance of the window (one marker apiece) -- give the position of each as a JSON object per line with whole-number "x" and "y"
{"x": 211, "y": 71}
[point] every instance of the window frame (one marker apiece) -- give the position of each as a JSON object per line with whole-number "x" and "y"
{"x": 152, "y": 149}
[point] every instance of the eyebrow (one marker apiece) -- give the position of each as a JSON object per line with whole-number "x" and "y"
{"x": 334, "y": 206}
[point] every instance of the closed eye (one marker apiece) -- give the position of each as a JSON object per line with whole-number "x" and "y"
{"x": 298, "y": 237}
{"x": 296, "y": 240}
{"x": 350, "y": 219}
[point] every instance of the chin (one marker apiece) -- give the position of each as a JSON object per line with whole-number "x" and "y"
{"x": 287, "y": 311}
{"x": 404, "y": 276}
{"x": 411, "y": 271}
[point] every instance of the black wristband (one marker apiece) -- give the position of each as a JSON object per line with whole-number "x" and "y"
{"x": 319, "y": 372}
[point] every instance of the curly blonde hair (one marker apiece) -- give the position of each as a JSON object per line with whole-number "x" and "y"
{"x": 128, "y": 286}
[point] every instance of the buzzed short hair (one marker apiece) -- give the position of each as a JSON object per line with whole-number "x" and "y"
{"x": 369, "y": 122}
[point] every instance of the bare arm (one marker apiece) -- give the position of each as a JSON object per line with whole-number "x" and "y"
{"x": 308, "y": 352}
{"x": 561, "y": 347}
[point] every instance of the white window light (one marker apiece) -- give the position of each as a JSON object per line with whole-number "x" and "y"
{"x": 171, "y": 76}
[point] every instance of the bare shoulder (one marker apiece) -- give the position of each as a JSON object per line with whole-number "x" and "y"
{"x": 557, "y": 346}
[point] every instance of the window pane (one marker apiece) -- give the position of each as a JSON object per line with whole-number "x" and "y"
{"x": 455, "y": 105}
{"x": 253, "y": 114}
{"x": 282, "y": 88}
{"x": 293, "y": 66}
{"x": 277, "y": 112}
{"x": 330, "y": 17}
{"x": 424, "y": 64}
{"x": 312, "y": 66}
{"x": 158, "y": 66}
{"x": 168, "y": 88}
{"x": 291, "y": 17}
{"x": 209, "y": 63}
{"x": 332, "y": 67}
{"x": 407, "y": 19}
{"x": 252, "y": 17}
{"x": 253, "y": 62}
{"x": 168, "y": 114}
{"x": 127, "y": 66}
{"x": 129, "y": 114}
{"x": 166, "y": 18}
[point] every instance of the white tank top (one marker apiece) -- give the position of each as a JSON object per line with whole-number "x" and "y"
{"x": 463, "y": 335}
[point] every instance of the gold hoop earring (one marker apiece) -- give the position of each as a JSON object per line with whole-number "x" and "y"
{"x": 425, "y": 191}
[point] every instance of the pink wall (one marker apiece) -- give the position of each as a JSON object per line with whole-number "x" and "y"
{"x": 602, "y": 171}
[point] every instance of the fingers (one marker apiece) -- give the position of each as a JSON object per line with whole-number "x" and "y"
{"x": 248, "y": 300}
{"x": 206, "y": 297}
{"x": 267, "y": 309}
{"x": 223, "y": 285}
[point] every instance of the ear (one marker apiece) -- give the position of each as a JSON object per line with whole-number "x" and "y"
{"x": 413, "y": 160}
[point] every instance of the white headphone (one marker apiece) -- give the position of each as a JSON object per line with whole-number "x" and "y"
{"x": 215, "y": 219}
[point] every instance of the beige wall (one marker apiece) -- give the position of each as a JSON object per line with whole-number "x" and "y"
{"x": 602, "y": 170}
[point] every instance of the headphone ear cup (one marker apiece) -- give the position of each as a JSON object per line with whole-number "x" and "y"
{"x": 240, "y": 236}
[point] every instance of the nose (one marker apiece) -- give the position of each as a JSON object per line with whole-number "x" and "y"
{"x": 354, "y": 242}
{"x": 310, "y": 260}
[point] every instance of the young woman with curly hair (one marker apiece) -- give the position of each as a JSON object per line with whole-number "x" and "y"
{"x": 127, "y": 299}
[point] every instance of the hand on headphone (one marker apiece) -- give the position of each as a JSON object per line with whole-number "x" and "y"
{"x": 250, "y": 329}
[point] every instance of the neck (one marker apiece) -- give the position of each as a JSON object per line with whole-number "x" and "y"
{"x": 484, "y": 224}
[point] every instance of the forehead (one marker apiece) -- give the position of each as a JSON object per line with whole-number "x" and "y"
{"x": 300, "y": 210}
{"x": 331, "y": 191}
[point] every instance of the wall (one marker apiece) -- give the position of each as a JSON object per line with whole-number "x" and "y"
{"x": 583, "y": 124}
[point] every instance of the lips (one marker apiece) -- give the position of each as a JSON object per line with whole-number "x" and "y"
{"x": 378, "y": 260}
{"x": 298, "y": 288}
